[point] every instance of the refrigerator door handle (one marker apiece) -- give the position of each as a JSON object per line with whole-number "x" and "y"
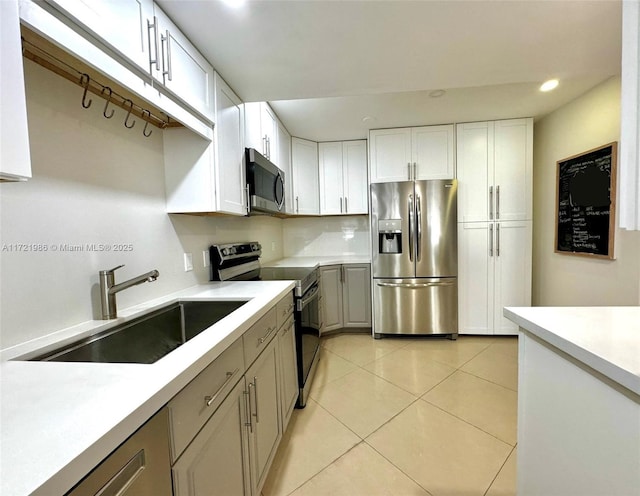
{"x": 418, "y": 228}
{"x": 411, "y": 224}
{"x": 414, "y": 285}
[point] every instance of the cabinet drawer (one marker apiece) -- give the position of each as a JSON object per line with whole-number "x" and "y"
{"x": 192, "y": 407}
{"x": 284, "y": 309}
{"x": 258, "y": 337}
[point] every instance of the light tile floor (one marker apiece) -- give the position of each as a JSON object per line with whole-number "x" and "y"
{"x": 402, "y": 416}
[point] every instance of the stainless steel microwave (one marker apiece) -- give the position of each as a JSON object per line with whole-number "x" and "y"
{"x": 265, "y": 182}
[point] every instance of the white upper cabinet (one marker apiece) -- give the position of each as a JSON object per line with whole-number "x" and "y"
{"x": 261, "y": 130}
{"x": 495, "y": 170}
{"x": 15, "y": 158}
{"x": 229, "y": 139}
{"x": 404, "y": 154}
{"x": 204, "y": 176}
{"x": 343, "y": 177}
{"x": 629, "y": 183}
{"x": 121, "y": 25}
{"x": 284, "y": 163}
{"x": 181, "y": 68}
{"x": 304, "y": 162}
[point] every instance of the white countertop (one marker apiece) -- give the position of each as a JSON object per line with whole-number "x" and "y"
{"x": 607, "y": 339}
{"x": 59, "y": 420}
{"x": 318, "y": 261}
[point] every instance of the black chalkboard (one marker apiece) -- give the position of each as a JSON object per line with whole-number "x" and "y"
{"x": 585, "y": 194}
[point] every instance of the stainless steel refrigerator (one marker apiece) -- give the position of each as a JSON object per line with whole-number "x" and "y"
{"x": 415, "y": 257}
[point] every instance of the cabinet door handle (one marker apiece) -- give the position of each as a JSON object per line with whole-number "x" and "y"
{"x": 153, "y": 26}
{"x": 266, "y": 336}
{"x": 249, "y": 424}
{"x": 210, "y": 399}
{"x": 269, "y": 147}
{"x": 415, "y": 170}
{"x": 340, "y": 204}
{"x": 255, "y": 397}
{"x": 498, "y": 203}
{"x": 490, "y": 202}
{"x": 346, "y": 207}
{"x": 491, "y": 240}
{"x": 297, "y": 205}
{"x": 409, "y": 170}
{"x": 497, "y": 240}
{"x": 125, "y": 476}
{"x": 167, "y": 71}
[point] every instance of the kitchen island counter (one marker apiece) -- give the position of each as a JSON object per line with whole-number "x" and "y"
{"x": 59, "y": 420}
{"x": 578, "y": 400}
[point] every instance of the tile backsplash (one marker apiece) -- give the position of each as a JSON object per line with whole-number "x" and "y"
{"x": 322, "y": 236}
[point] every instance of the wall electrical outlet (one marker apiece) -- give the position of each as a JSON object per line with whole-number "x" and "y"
{"x": 206, "y": 261}
{"x": 188, "y": 262}
{"x": 273, "y": 246}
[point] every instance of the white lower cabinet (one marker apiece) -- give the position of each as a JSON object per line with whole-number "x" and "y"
{"x": 346, "y": 296}
{"x": 494, "y": 271}
{"x": 217, "y": 460}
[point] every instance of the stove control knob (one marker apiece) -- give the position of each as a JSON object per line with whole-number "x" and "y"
{"x": 224, "y": 251}
{"x": 232, "y": 250}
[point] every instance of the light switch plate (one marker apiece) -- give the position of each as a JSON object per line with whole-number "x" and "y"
{"x": 188, "y": 262}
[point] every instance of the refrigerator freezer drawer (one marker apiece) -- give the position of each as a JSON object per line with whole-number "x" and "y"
{"x": 415, "y": 306}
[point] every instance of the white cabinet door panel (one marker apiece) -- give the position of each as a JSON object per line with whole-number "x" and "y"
{"x": 475, "y": 278}
{"x": 331, "y": 183}
{"x": 513, "y": 168}
{"x": 390, "y": 154}
{"x": 120, "y": 24}
{"x": 433, "y": 152}
{"x": 15, "y": 156}
{"x": 512, "y": 257}
{"x": 229, "y": 164}
{"x": 475, "y": 171}
{"x": 354, "y": 170}
{"x": 183, "y": 70}
{"x": 304, "y": 162}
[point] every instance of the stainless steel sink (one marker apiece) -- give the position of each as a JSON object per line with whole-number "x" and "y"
{"x": 148, "y": 338}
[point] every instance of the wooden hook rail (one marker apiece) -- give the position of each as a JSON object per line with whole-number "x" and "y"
{"x": 90, "y": 85}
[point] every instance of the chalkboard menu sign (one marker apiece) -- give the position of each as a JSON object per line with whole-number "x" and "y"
{"x": 586, "y": 189}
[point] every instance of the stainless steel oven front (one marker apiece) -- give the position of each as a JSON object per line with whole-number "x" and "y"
{"x": 307, "y": 325}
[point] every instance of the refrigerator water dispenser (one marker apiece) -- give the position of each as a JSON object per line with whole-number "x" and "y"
{"x": 390, "y": 236}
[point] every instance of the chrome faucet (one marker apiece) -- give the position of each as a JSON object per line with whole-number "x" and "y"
{"x": 108, "y": 289}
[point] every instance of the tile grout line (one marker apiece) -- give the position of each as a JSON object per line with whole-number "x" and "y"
{"x": 500, "y": 469}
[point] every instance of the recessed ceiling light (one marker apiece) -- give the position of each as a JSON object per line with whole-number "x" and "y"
{"x": 549, "y": 85}
{"x": 437, "y": 93}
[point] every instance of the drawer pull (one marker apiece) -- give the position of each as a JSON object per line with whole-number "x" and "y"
{"x": 266, "y": 336}
{"x": 210, "y": 399}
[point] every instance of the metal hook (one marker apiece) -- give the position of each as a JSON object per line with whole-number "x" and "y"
{"x": 128, "y": 114}
{"x": 106, "y": 88}
{"x": 144, "y": 131}
{"x": 84, "y": 81}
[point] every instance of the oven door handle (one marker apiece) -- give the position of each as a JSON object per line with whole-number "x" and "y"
{"x": 303, "y": 302}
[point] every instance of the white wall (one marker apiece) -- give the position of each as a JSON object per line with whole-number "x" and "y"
{"x": 94, "y": 181}
{"x": 585, "y": 123}
{"x": 321, "y": 236}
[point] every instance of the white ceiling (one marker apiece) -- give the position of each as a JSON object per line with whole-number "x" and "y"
{"x": 325, "y": 65}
